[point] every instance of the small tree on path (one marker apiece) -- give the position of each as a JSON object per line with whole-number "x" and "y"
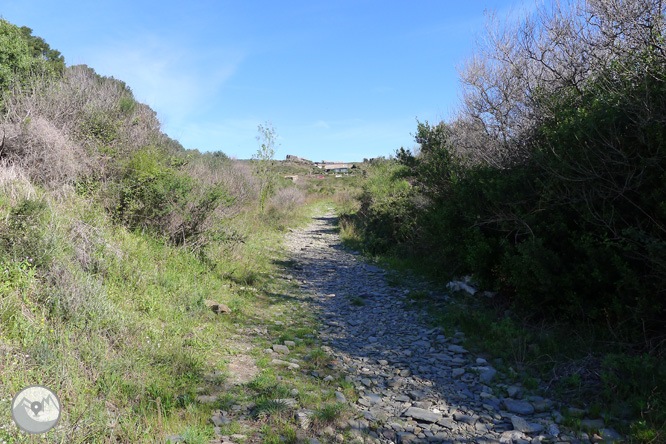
{"x": 263, "y": 162}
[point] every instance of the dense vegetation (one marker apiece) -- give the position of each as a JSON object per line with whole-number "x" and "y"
{"x": 549, "y": 188}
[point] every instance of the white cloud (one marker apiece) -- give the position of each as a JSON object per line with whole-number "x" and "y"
{"x": 175, "y": 81}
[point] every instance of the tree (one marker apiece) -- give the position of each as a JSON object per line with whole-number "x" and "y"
{"x": 263, "y": 162}
{"x": 23, "y": 56}
{"x": 557, "y": 50}
{"x": 42, "y": 50}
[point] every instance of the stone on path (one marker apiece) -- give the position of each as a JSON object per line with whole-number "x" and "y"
{"x": 520, "y": 407}
{"x": 281, "y": 349}
{"x": 464, "y": 418}
{"x": 515, "y": 392}
{"x": 422, "y": 414}
{"x": 290, "y": 402}
{"x": 458, "y": 372}
{"x": 280, "y": 362}
{"x": 456, "y": 349}
{"x": 487, "y": 374}
{"x": 303, "y": 418}
{"x": 610, "y": 435}
{"x": 219, "y": 420}
{"x": 523, "y": 426}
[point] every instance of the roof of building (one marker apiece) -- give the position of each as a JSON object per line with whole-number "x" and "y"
{"x": 335, "y": 166}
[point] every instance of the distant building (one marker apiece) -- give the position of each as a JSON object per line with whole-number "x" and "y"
{"x": 292, "y": 158}
{"x": 292, "y": 178}
{"x": 338, "y": 167}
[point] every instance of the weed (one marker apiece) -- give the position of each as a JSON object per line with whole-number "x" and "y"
{"x": 329, "y": 413}
{"x": 270, "y": 407}
{"x": 196, "y": 435}
{"x": 318, "y": 358}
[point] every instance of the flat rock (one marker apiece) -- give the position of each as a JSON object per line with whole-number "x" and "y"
{"x": 511, "y": 436}
{"x": 422, "y": 414}
{"x": 487, "y": 375}
{"x": 303, "y": 418}
{"x": 520, "y": 407}
{"x": 407, "y": 438}
{"x": 458, "y": 372}
{"x": 456, "y": 349}
{"x": 448, "y": 423}
{"x": 374, "y": 398}
{"x": 610, "y": 435}
{"x": 464, "y": 418}
{"x": 279, "y": 362}
{"x": 515, "y": 392}
{"x": 523, "y": 426}
{"x": 281, "y": 349}
{"x": 219, "y": 420}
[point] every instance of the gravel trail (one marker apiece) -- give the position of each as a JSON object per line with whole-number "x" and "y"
{"x": 416, "y": 383}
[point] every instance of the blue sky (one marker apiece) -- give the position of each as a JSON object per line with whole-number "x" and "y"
{"x": 339, "y": 80}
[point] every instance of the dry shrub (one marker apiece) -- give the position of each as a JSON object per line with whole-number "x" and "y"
{"x": 80, "y": 296}
{"x": 556, "y": 47}
{"x": 66, "y": 101}
{"x": 241, "y": 183}
{"x": 286, "y": 200}
{"x": 234, "y": 177}
{"x": 89, "y": 116}
{"x": 44, "y": 152}
{"x": 14, "y": 183}
{"x": 88, "y": 243}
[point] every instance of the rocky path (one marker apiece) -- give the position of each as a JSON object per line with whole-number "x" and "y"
{"x": 416, "y": 383}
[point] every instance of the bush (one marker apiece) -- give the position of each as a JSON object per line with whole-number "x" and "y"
{"x": 154, "y": 195}
{"x": 283, "y": 203}
{"x": 21, "y": 235}
{"x": 45, "y": 153}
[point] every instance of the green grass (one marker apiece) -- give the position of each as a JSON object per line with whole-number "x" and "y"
{"x": 114, "y": 321}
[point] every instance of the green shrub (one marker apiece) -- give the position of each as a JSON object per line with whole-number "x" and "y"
{"x": 23, "y": 55}
{"x": 154, "y": 195}
{"x": 22, "y": 234}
